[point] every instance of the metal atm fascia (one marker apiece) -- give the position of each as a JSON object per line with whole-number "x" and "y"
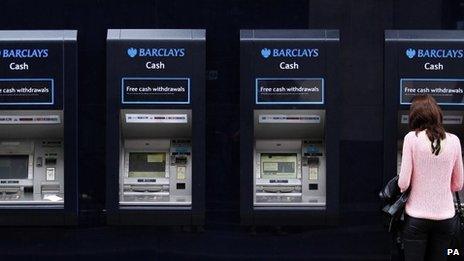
{"x": 128, "y": 62}
{"x": 41, "y": 127}
{"x": 171, "y": 137}
{"x": 296, "y": 132}
{"x": 254, "y": 53}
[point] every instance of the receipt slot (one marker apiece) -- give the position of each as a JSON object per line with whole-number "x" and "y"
{"x": 420, "y": 62}
{"x": 156, "y": 127}
{"x": 289, "y": 132}
{"x": 38, "y": 128}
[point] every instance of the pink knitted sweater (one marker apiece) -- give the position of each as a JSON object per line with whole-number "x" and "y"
{"x": 432, "y": 179}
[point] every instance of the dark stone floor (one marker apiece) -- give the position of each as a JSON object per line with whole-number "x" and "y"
{"x": 361, "y": 238}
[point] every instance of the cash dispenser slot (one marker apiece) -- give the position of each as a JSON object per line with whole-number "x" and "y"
{"x": 280, "y": 189}
{"x": 10, "y": 190}
{"x": 145, "y": 188}
{"x": 50, "y": 188}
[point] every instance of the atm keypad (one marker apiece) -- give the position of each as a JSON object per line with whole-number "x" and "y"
{"x": 178, "y": 159}
{"x": 181, "y": 160}
{"x": 50, "y": 161}
{"x": 313, "y": 160}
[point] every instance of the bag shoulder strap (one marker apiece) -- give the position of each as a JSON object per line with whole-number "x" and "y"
{"x": 458, "y": 200}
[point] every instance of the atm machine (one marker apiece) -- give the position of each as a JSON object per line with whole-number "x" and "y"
{"x": 155, "y": 127}
{"x": 420, "y": 62}
{"x": 38, "y": 128}
{"x": 289, "y": 128}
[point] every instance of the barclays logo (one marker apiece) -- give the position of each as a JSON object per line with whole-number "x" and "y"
{"x": 265, "y": 52}
{"x": 434, "y": 53}
{"x": 289, "y": 53}
{"x": 24, "y": 53}
{"x": 156, "y": 52}
{"x": 410, "y": 53}
{"x": 132, "y": 52}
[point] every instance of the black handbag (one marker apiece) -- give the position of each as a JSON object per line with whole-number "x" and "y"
{"x": 391, "y": 190}
{"x": 458, "y": 239}
{"x": 395, "y": 202}
{"x": 393, "y": 211}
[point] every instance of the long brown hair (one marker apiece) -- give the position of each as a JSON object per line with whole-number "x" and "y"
{"x": 425, "y": 114}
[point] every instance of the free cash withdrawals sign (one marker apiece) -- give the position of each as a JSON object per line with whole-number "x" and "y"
{"x": 289, "y": 91}
{"x": 26, "y": 91}
{"x": 145, "y": 90}
{"x": 445, "y": 91}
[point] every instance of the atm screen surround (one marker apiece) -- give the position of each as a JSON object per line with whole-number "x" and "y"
{"x": 151, "y": 165}
{"x": 278, "y": 165}
{"x": 14, "y": 166}
{"x": 147, "y": 165}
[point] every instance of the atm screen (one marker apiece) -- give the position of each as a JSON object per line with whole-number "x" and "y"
{"x": 14, "y": 166}
{"x": 147, "y": 165}
{"x": 278, "y": 165}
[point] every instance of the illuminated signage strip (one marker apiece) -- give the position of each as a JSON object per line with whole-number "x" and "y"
{"x": 27, "y": 91}
{"x": 30, "y": 119}
{"x": 156, "y": 118}
{"x": 289, "y": 91}
{"x": 447, "y": 119}
{"x": 446, "y": 91}
{"x": 274, "y": 118}
{"x": 155, "y": 90}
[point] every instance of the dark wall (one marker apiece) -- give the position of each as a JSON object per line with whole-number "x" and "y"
{"x": 361, "y": 23}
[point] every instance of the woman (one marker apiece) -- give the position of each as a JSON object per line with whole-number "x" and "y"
{"x": 432, "y": 170}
